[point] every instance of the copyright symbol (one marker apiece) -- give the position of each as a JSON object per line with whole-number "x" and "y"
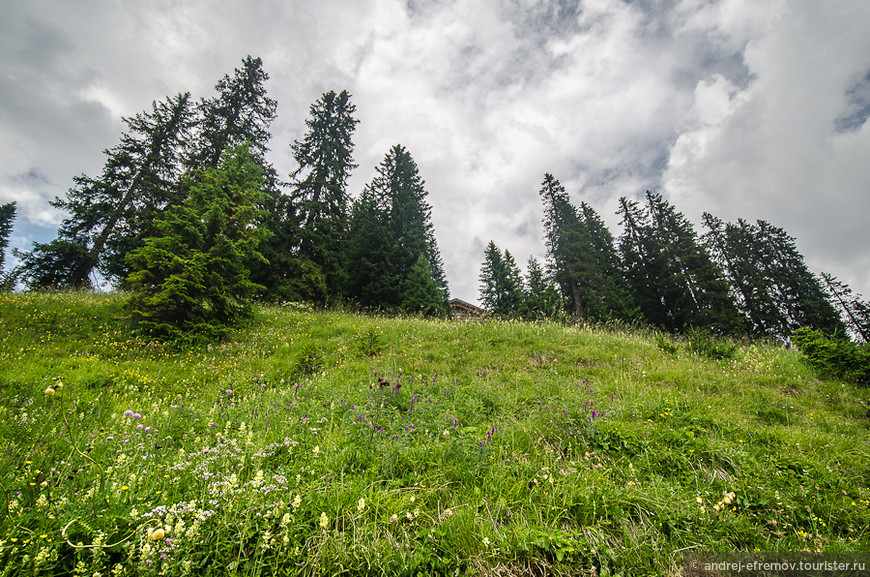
{"x": 695, "y": 565}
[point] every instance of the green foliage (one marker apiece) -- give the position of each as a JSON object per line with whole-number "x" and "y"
{"x": 700, "y": 342}
{"x": 319, "y": 188}
{"x": 501, "y": 285}
{"x": 192, "y": 279}
{"x": 54, "y": 265}
{"x": 309, "y": 360}
{"x": 370, "y": 342}
{"x": 673, "y": 278}
{"x": 420, "y": 293}
{"x": 834, "y": 358}
{"x": 464, "y": 448}
{"x": 666, "y": 344}
{"x": 7, "y": 217}
{"x": 775, "y": 291}
{"x": 391, "y": 229}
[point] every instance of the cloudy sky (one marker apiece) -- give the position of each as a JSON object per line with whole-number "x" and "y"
{"x": 753, "y": 109}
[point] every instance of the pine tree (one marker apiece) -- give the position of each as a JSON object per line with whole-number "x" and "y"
{"x": 695, "y": 289}
{"x": 7, "y": 217}
{"x": 854, "y": 311}
{"x": 396, "y": 197}
{"x": 582, "y": 258}
{"x": 113, "y": 213}
{"x": 775, "y": 290}
{"x": 372, "y": 280}
{"x": 325, "y": 161}
{"x": 541, "y": 299}
{"x": 191, "y": 278}
{"x": 674, "y": 280}
{"x": 501, "y": 284}
{"x": 241, "y": 113}
{"x": 420, "y": 293}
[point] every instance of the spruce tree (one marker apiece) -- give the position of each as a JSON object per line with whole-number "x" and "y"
{"x": 582, "y": 258}
{"x": 776, "y": 291}
{"x": 191, "y": 278}
{"x": 854, "y": 311}
{"x": 319, "y": 184}
{"x": 7, "y": 217}
{"x": 397, "y": 196}
{"x": 420, "y": 293}
{"x": 674, "y": 280}
{"x": 541, "y": 299}
{"x": 241, "y": 113}
{"x": 372, "y": 281}
{"x": 694, "y": 287}
{"x": 111, "y": 214}
{"x": 501, "y": 284}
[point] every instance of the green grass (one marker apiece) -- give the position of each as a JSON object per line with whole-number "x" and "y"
{"x": 325, "y": 443}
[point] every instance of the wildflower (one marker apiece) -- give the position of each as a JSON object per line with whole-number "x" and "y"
{"x": 128, "y": 413}
{"x": 324, "y": 520}
{"x": 361, "y": 504}
{"x": 486, "y": 541}
{"x": 157, "y": 534}
{"x": 49, "y": 391}
{"x": 394, "y": 518}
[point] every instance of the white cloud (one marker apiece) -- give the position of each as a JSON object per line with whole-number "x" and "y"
{"x": 729, "y": 106}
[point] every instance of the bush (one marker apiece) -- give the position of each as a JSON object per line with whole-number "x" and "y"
{"x": 834, "y": 358}
{"x": 701, "y": 343}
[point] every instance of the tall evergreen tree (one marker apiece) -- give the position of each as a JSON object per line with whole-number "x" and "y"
{"x": 541, "y": 299}
{"x": 192, "y": 276}
{"x": 325, "y": 161}
{"x": 240, "y": 113}
{"x": 674, "y": 280}
{"x": 501, "y": 288}
{"x": 775, "y": 290}
{"x": 582, "y": 258}
{"x": 396, "y": 197}
{"x": 111, "y": 214}
{"x": 7, "y": 217}
{"x": 854, "y": 311}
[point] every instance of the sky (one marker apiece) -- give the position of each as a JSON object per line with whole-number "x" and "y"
{"x": 753, "y": 109}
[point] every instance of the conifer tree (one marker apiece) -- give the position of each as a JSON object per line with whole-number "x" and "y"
{"x": 541, "y": 299}
{"x": 111, "y": 214}
{"x": 241, "y": 113}
{"x": 775, "y": 290}
{"x": 7, "y": 217}
{"x": 854, "y": 311}
{"x": 581, "y": 256}
{"x": 319, "y": 184}
{"x": 372, "y": 280}
{"x": 397, "y": 196}
{"x": 501, "y": 288}
{"x": 420, "y": 294}
{"x": 674, "y": 280}
{"x": 191, "y": 278}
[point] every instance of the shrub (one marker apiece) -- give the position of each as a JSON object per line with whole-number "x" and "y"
{"x": 701, "y": 343}
{"x": 835, "y": 358}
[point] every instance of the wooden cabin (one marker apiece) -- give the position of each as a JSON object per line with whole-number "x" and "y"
{"x": 463, "y": 311}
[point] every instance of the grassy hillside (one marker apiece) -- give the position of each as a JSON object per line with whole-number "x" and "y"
{"x": 325, "y": 443}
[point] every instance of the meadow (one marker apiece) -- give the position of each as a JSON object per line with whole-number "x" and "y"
{"x": 334, "y": 443}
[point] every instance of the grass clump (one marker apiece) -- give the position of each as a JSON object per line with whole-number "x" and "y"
{"x": 491, "y": 448}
